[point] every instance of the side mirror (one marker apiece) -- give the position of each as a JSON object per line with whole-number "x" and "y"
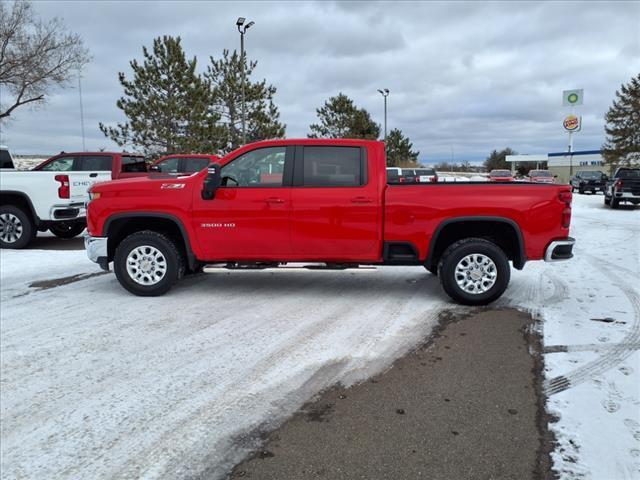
{"x": 154, "y": 168}
{"x": 211, "y": 182}
{"x": 605, "y": 178}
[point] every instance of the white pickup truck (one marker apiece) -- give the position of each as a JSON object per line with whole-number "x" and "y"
{"x": 52, "y": 196}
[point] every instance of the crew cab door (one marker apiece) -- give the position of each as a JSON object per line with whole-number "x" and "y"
{"x": 80, "y": 172}
{"x": 336, "y": 205}
{"x": 248, "y": 219}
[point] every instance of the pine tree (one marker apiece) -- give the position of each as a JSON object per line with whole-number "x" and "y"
{"x": 340, "y": 118}
{"x": 399, "y": 151}
{"x": 622, "y": 145}
{"x": 262, "y": 116}
{"x": 167, "y": 104}
{"x": 497, "y": 160}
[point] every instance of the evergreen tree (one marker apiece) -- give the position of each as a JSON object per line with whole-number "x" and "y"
{"x": 399, "y": 151}
{"x": 622, "y": 145}
{"x": 497, "y": 160}
{"x": 167, "y": 104}
{"x": 262, "y": 116}
{"x": 340, "y": 118}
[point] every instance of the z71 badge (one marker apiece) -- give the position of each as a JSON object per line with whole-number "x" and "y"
{"x": 172, "y": 185}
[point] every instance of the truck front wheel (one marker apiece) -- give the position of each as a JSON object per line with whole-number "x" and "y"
{"x": 148, "y": 263}
{"x": 474, "y": 271}
{"x": 16, "y": 228}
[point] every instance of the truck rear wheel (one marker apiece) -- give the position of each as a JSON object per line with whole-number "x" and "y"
{"x": 148, "y": 263}
{"x": 67, "y": 229}
{"x": 16, "y": 227}
{"x": 474, "y": 271}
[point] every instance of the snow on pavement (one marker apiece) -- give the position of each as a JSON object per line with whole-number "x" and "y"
{"x": 591, "y": 333}
{"x": 97, "y": 383}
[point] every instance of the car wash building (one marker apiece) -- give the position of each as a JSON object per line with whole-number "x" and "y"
{"x": 563, "y": 164}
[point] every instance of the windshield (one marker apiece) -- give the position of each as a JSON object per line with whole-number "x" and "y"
{"x": 591, "y": 174}
{"x": 5, "y": 159}
{"x": 500, "y": 173}
{"x": 540, "y": 173}
{"x": 628, "y": 173}
{"x": 425, "y": 171}
{"x": 133, "y": 164}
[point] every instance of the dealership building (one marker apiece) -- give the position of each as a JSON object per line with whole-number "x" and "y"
{"x": 563, "y": 164}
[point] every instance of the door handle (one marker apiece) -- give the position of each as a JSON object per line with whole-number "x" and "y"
{"x": 93, "y": 175}
{"x": 361, "y": 200}
{"x": 274, "y": 200}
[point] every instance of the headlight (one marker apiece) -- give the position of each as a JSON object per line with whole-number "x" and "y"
{"x": 94, "y": 195}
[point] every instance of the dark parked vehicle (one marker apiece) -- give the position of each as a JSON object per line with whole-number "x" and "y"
{"x": 588, "y": 181}
{"x": 420, "y": 175}
{"x": 624, "y": 186}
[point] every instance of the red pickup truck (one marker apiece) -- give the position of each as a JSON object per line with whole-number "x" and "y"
{"x": 328, "y": 201}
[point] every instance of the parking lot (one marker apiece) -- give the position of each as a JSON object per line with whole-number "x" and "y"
{"x": 97, "y": 383}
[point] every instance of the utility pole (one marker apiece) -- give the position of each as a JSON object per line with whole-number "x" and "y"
{"x": 242, "y": 28}
{"x": 84, "y": 147}
{"x": 385, "y": 93}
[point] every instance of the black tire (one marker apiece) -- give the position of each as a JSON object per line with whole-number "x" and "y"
{"x": 16, "y": 227}
{"x": 607, "y": 200}
{"x": 581, "y": 190}
{"x": 614, "y": 203}
{"x": 67, "y": 229}
{"x": 175, "y": 265}
{"x": 460, "y": 249}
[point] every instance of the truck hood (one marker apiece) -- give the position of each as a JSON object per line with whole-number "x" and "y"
{"x": 143, "y": 182}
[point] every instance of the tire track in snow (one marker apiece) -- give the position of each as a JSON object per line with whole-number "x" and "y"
{"x": 614, "y": 355}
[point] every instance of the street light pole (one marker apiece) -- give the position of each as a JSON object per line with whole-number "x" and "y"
{"x": 84, "y": 148}
{"x": 243, "y": 29}
{"x": 385, "y": 93}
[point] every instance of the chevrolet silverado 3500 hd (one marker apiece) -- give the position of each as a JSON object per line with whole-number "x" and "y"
{"x": 322, "y": 200}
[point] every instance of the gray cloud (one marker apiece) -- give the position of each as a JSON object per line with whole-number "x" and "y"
{"x": 468, "y": 76}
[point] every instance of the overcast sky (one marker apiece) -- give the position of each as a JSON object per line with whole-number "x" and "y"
{"x": 465, "y": 78}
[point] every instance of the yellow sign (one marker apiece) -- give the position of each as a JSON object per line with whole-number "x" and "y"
{"x": 572, "y": 123}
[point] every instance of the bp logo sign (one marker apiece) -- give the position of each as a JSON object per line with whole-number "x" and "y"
{"x": 572, "y": 123}
{"x": 571, "y": 98}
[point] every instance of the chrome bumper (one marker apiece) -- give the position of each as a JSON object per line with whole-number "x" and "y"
{"x": 96, "y": 248}
{"x": 559, "y": 250}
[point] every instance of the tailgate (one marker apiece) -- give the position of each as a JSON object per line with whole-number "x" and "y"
{"x": 79, "y": 182}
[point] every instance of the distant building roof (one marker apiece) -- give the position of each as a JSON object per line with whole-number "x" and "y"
{"x": 582, "y": 152}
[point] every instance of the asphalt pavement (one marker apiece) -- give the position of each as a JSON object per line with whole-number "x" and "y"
{"x": 47, "y": 241}
{"x": 463, "y": 406}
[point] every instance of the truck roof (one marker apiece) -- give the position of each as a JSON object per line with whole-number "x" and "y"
{"x": 314, "y": 141}
{"x": 130, "y": 154}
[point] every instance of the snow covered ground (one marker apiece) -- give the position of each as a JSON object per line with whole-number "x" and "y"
{"x": 96, "y": 383}
{"x": 591, "y": 332}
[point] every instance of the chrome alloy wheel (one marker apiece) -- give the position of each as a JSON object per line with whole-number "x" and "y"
{"x": 146, "y": 265}
{"x": 476, "y": 273}
{"x": 10, "y": 228}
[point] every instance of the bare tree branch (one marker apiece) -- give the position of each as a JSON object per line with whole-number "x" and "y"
{"x": 35, "y": 56}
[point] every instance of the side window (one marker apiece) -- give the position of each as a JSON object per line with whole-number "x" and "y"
{"x": 93, "y": 163}
{"x": 170, "y": 165}
{"x": 62, "y": 164}
{"x": 192, "y": 165}
{"x": 263, "y": 167}
{"x": 133, "y": 164}
{"x": 332, "y": 167}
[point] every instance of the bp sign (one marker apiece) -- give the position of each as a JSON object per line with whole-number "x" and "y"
{"x": 571, "y": 98}
{"x": 572, "y": 123}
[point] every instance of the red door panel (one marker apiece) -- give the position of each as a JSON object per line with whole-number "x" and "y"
{"x": 244, "y": 224}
